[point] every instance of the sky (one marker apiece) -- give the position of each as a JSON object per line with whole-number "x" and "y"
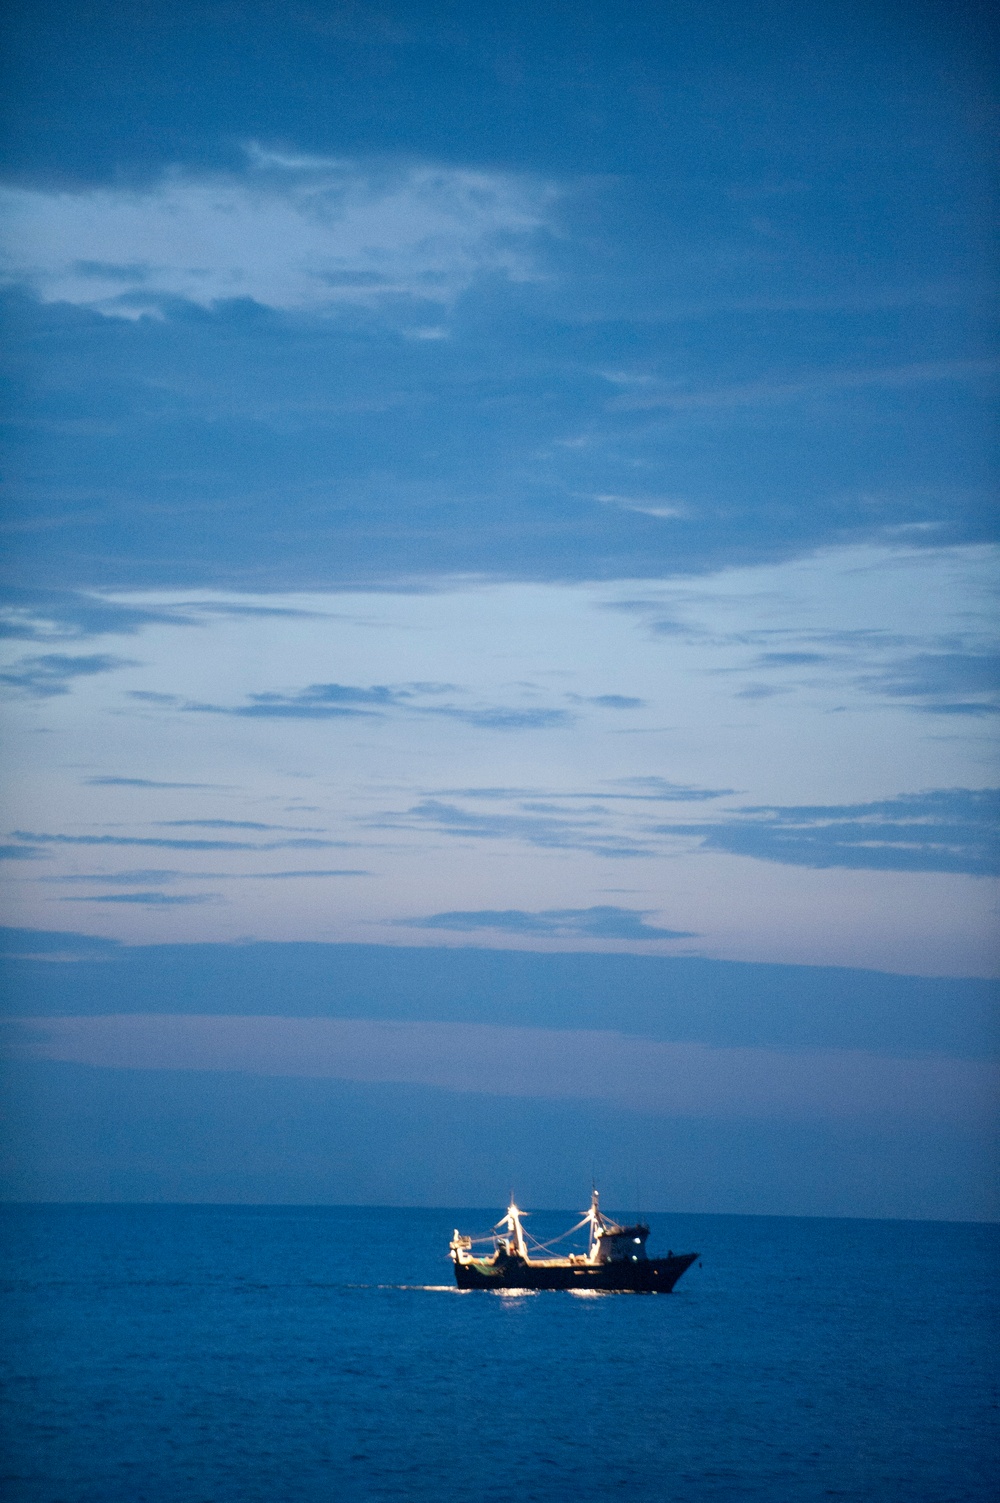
{"x": 500, "y": 543}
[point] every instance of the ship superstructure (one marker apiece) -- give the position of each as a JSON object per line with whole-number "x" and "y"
{"x": 615, "y": 1259}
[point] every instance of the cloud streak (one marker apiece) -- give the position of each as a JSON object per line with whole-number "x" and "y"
{"x": 640, "y": 790}
{"x": 159, "y": 877}
{"x": 600, "y": 922}
{"x": 162, "y": 844}
{"x": 123, "y": 782}
{"x": 951, "y": 678}
{"x": 668, "y": 1079}
{"x": 39, "y": 615}
{"x": 942, "y": 683}
{"x": 942, "y": 830}
{"x": 53, "y": 673}
{"x": 813, "y": 383}
{"x": 315, "y": 702}
{"x": 335, "y": 701}
{"x": 945, "y": 830}
{"x": 581, "y": 832}
{"x": 232, "y": 824}
{"x": 149, "y": 899}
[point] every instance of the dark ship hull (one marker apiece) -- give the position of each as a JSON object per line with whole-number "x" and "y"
{"x": 644, "y": 1276}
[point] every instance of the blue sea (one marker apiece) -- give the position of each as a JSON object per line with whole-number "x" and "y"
{"x": 210, "y": 1353}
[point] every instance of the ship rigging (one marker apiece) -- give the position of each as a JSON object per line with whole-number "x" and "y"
{"x": 615, "y": 1259}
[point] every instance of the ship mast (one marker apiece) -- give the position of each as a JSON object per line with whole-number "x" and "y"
{"x": 596, "y": 1222}
{"x": 513, "y": 1223}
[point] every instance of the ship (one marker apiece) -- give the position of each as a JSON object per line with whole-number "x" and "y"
{"x": 615, "y": 1260}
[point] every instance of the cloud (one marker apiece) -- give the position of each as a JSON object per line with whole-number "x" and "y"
{"x": 40, "y": 942}
{"x": 155, "y": 843}
{"x": 942, "y": 683}
{"x": 209, "y": 608}
{"x": 231, "y": 824}
{"x": 581, "y": 820}
{"x": 657, "y": 790}
{"x": 581, "y": 832}
{"x": 606, "y": 922}
{"x": 52, "y": 673}
{"x": 294, "y": 233}
{"x": 59, "y": 615}
{"x": 629, "y": 790}
{"x": 117, "y": 782}
{"x": 491, "y": 794}
{"x": 47, "y": 615}
{"x": 669, "y": 1079}
{"x": 760, "y": 691}
{"x": 610, "y": 701}
{"x": 504, "y": 718}
{"x": 138, "y": 878}
{"x": 812, "y": 383}
{"x": 315, "y": 702}
{"x": 149, "y": 899}
{"x": 950, "y": 678}
{"x": 339, "y": 701}
{"x": 953, "y": 674}
{"x": 664, "y": 511}
{"x": 342, "y": 871}
{"x": 790, "y": 659}
{"x": 20, "y": 853}
{"x": 160, "y": 877}
{"x": 944, "y": 830}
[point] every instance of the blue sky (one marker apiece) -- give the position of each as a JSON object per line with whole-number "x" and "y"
{"x": 511, "y": 479}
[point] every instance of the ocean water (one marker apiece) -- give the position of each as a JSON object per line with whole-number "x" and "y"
{"x": 200, "y": 1353}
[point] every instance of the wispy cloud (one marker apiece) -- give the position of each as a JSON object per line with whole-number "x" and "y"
{"x": 602, "y": 922}
{"x": 661, "y": 790}
{"x": 53, "y": 673}
{"x": 149, "y": 899}
{"x": 140, "y": 877}
{"x": 39, "y": 942}
{"x": 665, "y": 511}
{"x": 161, "y": 844}
{"x": 504, "y": 717}
{"x": 232, "y": 824}
{"x": 942, "y": 683}
{"x": 290, "y": 232}
{"x": 938, "y": 672}
{"x": 20, "y": 853}
{"x": 604, "y": 821}
{"x": 158, "y": 877}
{"x": 646, "y": 1074}
{"x": 340, "y": 871}
{"x": 573, "y": 831}
{"x": 120, "y": 782}
{"x": 948, "y": 677}
{"x": 816, "y": 382}
{"x": 627, "y": 790}
{"x": 39, "y": 615}
{"x": 790, "y": 659}
{"x": 335, "y": 701}
{"x": 944, "y": 830}
{"x": 315, "y": 702}
{"x": 609, "y": 701}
